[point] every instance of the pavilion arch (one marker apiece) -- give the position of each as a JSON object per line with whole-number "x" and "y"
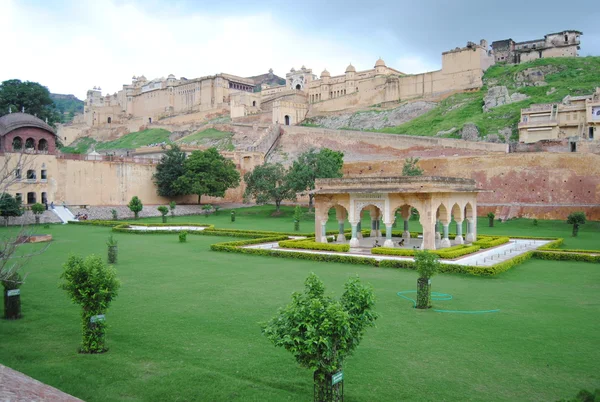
{"x": 457, "y": 213}
{"x": 43, "y": 145}
{"x": 376, "y": 213}
{"x": 17, "y": 143}
{"x": 29, "y": 143}
{"x": 469, "y": 211}
{"x": 405, "y": 214}
{"x": 443, "y": 213}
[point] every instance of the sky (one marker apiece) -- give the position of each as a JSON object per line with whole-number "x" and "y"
{"x": 71, "y": 46}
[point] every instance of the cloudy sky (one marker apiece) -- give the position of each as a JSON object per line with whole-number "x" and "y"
{"x": 73, "y": 45}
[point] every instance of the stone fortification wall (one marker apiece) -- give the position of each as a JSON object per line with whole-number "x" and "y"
{"x": 536, "y": 185}
{"x": 359, "y": 145}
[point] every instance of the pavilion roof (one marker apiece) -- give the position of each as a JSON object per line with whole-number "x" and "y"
{"x": 398, "y": 184}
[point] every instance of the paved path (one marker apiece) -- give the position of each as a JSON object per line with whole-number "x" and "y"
{"x": 170, "y": 228}
{"x": 487, "y": 257}
{"x": 16, "y": 386}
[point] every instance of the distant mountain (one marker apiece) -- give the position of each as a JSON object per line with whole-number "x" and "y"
{"x": 268, "y": 78}
{"x": 67, "y": 105}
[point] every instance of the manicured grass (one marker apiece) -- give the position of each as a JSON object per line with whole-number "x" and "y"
{"x": 137, "y": 139}
{"x": 185, "y": 326}
{"x": 259, "y": 218}
{"x": 79, "y": 146}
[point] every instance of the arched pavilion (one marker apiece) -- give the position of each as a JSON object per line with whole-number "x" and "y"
{"x": 437, "y": 199}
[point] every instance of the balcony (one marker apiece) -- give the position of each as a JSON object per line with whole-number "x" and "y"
{"x": 538, "y": 123}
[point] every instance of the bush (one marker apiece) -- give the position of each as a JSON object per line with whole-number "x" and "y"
{"x": 307, "y": 244}
{"x": 576, "y": 219}
{"x": 183, "y": 236}
{"x": 490, "y": 241}
{"x": 12, "y": 304}
{"x": 535, "y": 222}
{"x": 135, "y": 205}
{"x": 112, "y": 250}
{"x": 114, "y": 213}
{"x": 491, "y": 217}
{"x": 163, "y": 211}
{"x": 446, "y": 253}
{"x": 207, "y": 209}
{"x": 93, "y": 285}
{"x": 172, "y": 206}
{"x": 37, "y": 210}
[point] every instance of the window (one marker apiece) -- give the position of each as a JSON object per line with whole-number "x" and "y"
{"x": 18, "y": 173}
{"x": 29, "y": 143}
{"x": 109, "y": 120}
{"x": 43, "y": 175}
{"x": 31, "y": 174}
{"x": 43, "y": 145}
{"x": 17, "y": 144}
{"x": 44, "y": 198}
{"x": 31, "y": 198}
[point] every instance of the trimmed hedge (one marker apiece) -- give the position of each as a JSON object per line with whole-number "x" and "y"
{"x": 552, "y": 245}
{"x": 559, "y": 256}
{"x": 490, "y": 241}
{"x": 446, "y": 253}
{"x": 311, "y": 244}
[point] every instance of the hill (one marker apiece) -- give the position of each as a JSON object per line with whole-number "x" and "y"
{"x": 495, "y": 109}
{"x": 268, "y": 78}
{"x": 67, "y": 105}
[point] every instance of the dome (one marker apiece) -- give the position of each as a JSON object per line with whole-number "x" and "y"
{"x": 380, "y": 63}
{"x": 350, "y": 68}
{"x": 13, "y": 121}
{"x": 325, "y": 73}
{"x": 293, "y": 70}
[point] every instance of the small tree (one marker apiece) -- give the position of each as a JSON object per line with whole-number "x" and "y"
{"x": 115, "y": 215}
{"x": 12, "y": 296}
{"x": 207, "y": 208}
{"x": 136, "y": 206}
{"x": 410, "y": 167}
{"x": 93, "y": 285}
{"x": 268, "y": 182}
{"x": 297, "y": 216}
{"x": 321, "y": 332}
{"x": 576, "y": 219}
{"x": 427, "y": 265}
{"x": 217, "y": 209}
{"x": 163, "y": 211}
{"x": 172, "y": 206}
{"x": 37, "y": 209}
{"x": 182, "y": 237}
{"x": 232, "y": 216}
{"x": 112, "y": 250}
{"x": 491, "y": 217}
{"x": 9, "y": 207}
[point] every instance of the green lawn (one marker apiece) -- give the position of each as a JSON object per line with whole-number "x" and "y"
{"x": 185, "y": 327}
{"x": 137, "y": 139}
{"x": 259, "y": 218}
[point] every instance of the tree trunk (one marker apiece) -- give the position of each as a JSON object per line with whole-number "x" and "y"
{"x": 112, "y": 254}
{"x": 491, "y": 221}
{"x": 12, "y": 305}
{"x": 277, "y": 205}
{"x": 310, "y": 202}
{"x": 423, "y": 293}
{"x": 324, "y": 391}
{"x": 37, "y": 220}
{"x": 575, "y": 229}
{"x": 164, "y": 219}
{"x": 135, "y": 214}
{"x": 199, "y": 198}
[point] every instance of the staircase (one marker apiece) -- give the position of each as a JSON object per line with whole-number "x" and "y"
{"x": 63, "y": 213}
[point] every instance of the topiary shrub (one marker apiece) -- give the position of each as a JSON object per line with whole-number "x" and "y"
{"x": 491, "y": 217}
{"x": 12, "y": 296}
{"x": 172, "y": 206}
{"x": 207, "y": 209}
{"x": 297, "y": 217}
{"x": 93, "y": 285}
{"x": 576, "y": 219}
{"x": 114, "y": 213}
{"x": 183, "y": 237}
{"x": 163, "y": 211}
{"x": 427, "y": 265}
{"x": 535, "y": 222}
{"x": 135, "y": 205}
{"x": 37, "y": 209}
{"x": 112, "y": 250}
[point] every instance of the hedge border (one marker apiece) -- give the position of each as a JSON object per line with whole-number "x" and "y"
{"x": 311, "y": 244}
{"x": 446, "y": 253}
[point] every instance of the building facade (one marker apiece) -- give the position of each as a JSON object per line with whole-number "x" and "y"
{"x": 558, "y": 44}
{"x": 577, "y": 117}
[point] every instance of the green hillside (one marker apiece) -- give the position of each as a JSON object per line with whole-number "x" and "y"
{"x": 211, "y": 137}
{"x": 67, "y": 105}
{"x": 563, "y": 76}
{"x": 129, "y": 141}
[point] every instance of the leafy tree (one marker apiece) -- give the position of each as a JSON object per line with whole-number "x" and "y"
{"x": 428, "y": 264}
{"x": 172, "y": 206}
{"x": 268, "y": 182}
{"x": 169, "y": 169}
{"x": 491, "y": 217}
{"x": 297, "y": 217}
{"x": 163, "y": 211}
{"x": 312, "y": 165}
{"x": 321, "y": 332}
{"x": 207, "y": 173}
{"x": 112, "y": 249}
{"x": 410, "y": 167}
{"x": 9, "y": 207}
{"x": 576, "y": 219}
{"x": 37, "y": 209}
{"x": 135, "y": 205}
{"x": 35, "y": 98}
{"x": 93, "y": 285}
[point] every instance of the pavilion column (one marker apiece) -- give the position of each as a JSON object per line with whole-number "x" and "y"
{"x": 359, "y": 234}
{"x": 470, "y": 235}
{"x": 459, "y": 238}
{"x": 406, "y": 216}
{"x": 445, "y": 240}
{"x": 428, "y": 220}
{"x": 388, "y": 235}
{"x": 354, "y": 240}
{"x": 378, "y": 228}
{"x": 323, "y": 231}
{"x": 438, "y": 236}
{"x": 341, "y": 237}
{"x": 373, "y": 228}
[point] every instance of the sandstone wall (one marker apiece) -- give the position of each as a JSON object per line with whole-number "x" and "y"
{"x": 536, "y": 185}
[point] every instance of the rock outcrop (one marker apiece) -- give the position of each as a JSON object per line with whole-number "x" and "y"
{"x": 498, "y": 96}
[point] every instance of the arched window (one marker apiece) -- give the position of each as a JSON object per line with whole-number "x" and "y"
{"x": 29, "y": 143}
{"x": 287, "y": 120}
{"x": 17, "y": 144}
{"x": 109, "y": 120}
{"x": 43, "y": 145}
{"x": 253, "y": 103}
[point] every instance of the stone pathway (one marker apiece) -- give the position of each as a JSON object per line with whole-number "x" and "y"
{"x": 487, "y": 257}
{"x": 170, "y": 228}
{"x": 16, "y": 386}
